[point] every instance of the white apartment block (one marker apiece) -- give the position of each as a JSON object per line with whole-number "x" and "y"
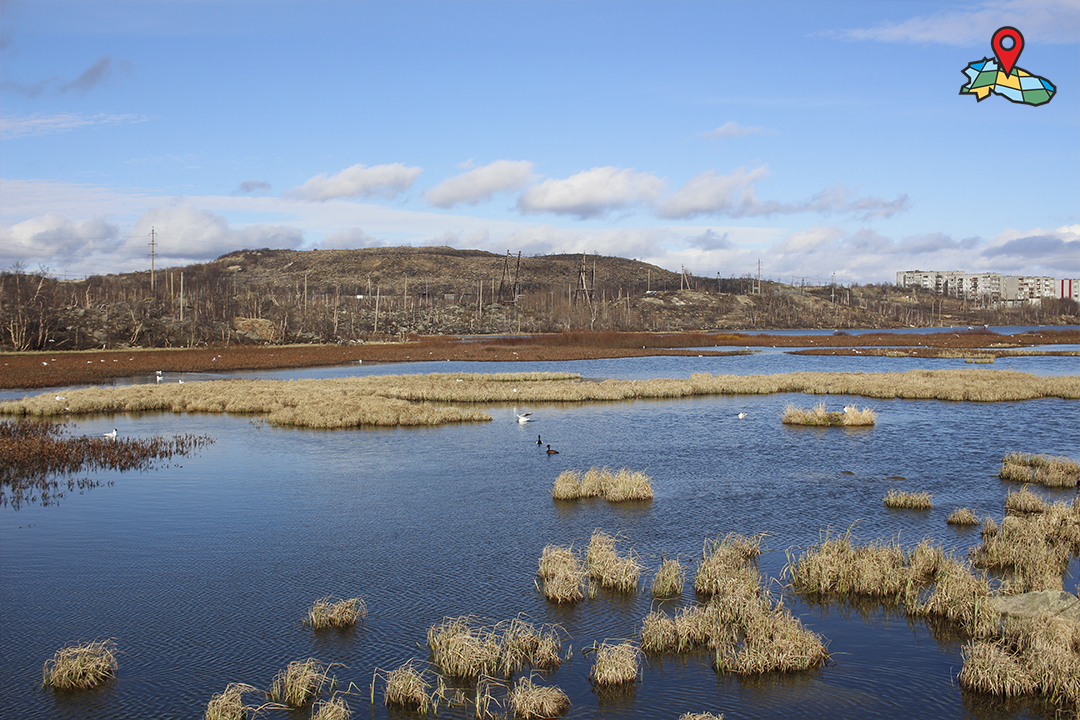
{"x": 989, "y": 286}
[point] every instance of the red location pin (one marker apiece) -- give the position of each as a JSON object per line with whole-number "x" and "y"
{"x": 1007, "y": 57}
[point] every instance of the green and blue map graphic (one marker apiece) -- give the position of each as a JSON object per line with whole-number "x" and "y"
{"x": 1020, "y": 86}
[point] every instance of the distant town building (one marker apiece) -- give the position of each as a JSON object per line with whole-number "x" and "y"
{"x": 989, "y": 287}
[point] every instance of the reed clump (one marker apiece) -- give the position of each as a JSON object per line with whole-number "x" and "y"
{"x": 962, "y": 516}
{"x": 561, "y": 574}
{"x": 668, "y": 580}
{"x": 328, "y": 613}
{"x": 469, "y": 647}
{"x": 1041, "y": 469}
{"x": 229, "y": 703}
{"x": 770, "y": 639}
{"x": 959, "y": 596}
{"x": 333, "y": 709}
{"x": 530, "y": 700}
{"x": 610, "y": 568}
{"x": 410, "y": 687}
{"x": 701, "y": 716}
{"x": 81, "y": 667}
{"x": 300, "y": 683}
{"x": 728, "y": 565}
{"x": 818, "y": 416}
{"x": 838, "y": 567}
{"x": 898, "y": 499}
{"x": 615, "y": 663}
{"x": 1036, "y": 655}
{"x": 1024, "y": 500}
{"x": 1031, "y": 550}
{"x": 613, "y": 485}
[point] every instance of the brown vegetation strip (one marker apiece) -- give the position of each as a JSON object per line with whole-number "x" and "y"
{"x": 35, "y": 455}
{"x": 56, "y": 369}
{"x": 409, "y": 400}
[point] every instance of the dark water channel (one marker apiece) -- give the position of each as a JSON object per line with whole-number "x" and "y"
{"x": 203, "y": 570}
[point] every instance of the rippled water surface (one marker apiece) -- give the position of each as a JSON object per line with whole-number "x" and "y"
{"x": 202, "y": 570}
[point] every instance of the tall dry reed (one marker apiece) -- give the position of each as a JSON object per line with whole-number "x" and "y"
{"x": 610, "y": 568}
{"x": 561, "y": 574}
{"x": 81, "y": 667}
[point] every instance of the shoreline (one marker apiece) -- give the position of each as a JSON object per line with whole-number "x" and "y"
{"x": 41, "y": 369}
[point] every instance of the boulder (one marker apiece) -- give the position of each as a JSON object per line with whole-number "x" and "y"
{"x": 1055, "y": 602}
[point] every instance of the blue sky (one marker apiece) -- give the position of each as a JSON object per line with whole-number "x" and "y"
{"x": 816, "y": 137}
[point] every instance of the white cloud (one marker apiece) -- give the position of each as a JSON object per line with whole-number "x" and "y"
{"x": 33, "y": 125}
{"x": 348, "y": 239}
{"x": 809, "y": 240}
{"x": 480, "y": 184}
{"x": 734, "y": 195}
{"x": 592, "y": 193}
{"x": 709, "y": 193}
{"x": 186, "y": 233}
{"x": 1049, "y": 21}
{"x": 55, "y": 239}
{"x": 732, "y": 129}
{"x": 358, "y": 181}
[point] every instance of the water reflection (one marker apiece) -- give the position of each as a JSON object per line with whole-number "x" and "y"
{"x": 204, "y": 572}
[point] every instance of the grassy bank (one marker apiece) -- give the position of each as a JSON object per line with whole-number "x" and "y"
{"x": 392, "y": 400}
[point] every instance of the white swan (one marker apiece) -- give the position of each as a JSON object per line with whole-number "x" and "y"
{"x": 523, "y": 417}
{"x": 111, "y": 435}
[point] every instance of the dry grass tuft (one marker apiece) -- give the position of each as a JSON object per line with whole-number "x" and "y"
{"x": 468, "y": 647}
{"x": 1041, "y": 469}
{"x": 1039, "y": 654}
{"x": 728, "y": 566}
{"x": 299, "y": 683}
{"x": 1024, "y": 501}
{"x": 410, "y": 687}
{"x": 333, "y": 709}
{"x": 340, "y": 614}
{"x": 529, "y": 700}
{"x": 615, "y": 663}
{"x": 989, "y": 669}
{"x": 700, "y": 716}
{"x": 909, "y": 500}
{"x": 567, "y": 486}
{"x": 669, "y": 579}
{"x": 562, "y": 575}
{"x": 608, "y": 567}
{"x": 229, "y": 704}
{"x": 818, "y": 416}
{"x": 772, "y": 640}
{"x": 1032, "y": 550}
{"x": 81, "y": 667}
{"x": 962, "y": 516}
{"x": 612, "y": 485}
{"x": 959, "y": 596}
{"x": 836, "y": 566}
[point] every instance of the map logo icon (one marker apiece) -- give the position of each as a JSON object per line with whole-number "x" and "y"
{"x": 1000, "y": 75}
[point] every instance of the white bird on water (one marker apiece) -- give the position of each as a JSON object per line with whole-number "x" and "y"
{"x": 523, "y": 417}
{"x": 111, "y": 435}
{"x": 742, "y": 415}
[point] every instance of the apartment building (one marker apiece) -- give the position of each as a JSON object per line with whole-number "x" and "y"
{"x": 993, "y": 287}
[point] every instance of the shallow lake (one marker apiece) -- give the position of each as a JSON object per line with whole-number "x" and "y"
{"x": 202, "y": 570}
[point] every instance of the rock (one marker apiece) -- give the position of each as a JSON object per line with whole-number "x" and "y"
{"x": 1055, "y": 602}
{"x": 256, "y": 329}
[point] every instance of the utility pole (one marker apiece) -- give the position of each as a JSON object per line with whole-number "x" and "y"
{"x": 153, "y": 247}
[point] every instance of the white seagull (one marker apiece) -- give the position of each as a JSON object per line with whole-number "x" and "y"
{"x": 110, "y": 434}
{"x": 742, "y": 415}
{"x": 523, "y": 417}
{"x": 61, "y": 398}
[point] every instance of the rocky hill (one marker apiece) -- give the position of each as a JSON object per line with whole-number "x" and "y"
{"x": 258, "y": 296}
